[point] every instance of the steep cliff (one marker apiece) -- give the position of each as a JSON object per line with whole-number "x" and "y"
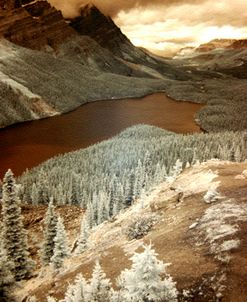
{"x": 35, "y": 25}
{"x": 93, "y": 23}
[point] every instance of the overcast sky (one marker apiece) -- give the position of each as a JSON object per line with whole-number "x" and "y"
{"x": 168, "y": 25}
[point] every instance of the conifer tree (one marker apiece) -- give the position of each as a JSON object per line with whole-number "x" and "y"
{"x": 119, "y": 204}
{"x": 99, "y": 287}
{"x": 61, "y": 250}
{"x": 142, "y": 283}
{"x": 6, "y": 277}
{"x": 82, "y": 242}
{"x": 80, "y": 290}
{"x": 50, "y": 222}
{"x": 14, "y": 237}
{"x": 89, "y": 216}
{"x": 139, "y": 180}
{"x": 77, "y": 292}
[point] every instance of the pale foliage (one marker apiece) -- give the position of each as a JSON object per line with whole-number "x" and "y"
{"x": 143, "y": 282}
{"x": 61, "y": 249}
{"x": 13, "y": 234}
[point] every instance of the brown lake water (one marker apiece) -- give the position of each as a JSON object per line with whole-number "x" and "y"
{"x": 26, "y": 145}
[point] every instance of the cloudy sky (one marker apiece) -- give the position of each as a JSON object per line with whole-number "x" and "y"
{"x": 168, "y": 25}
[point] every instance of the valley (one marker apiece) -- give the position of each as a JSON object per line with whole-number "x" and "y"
{"x": 28, "y": 144}
{"x": 123, "y": 174}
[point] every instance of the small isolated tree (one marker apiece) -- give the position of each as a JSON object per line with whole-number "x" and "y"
{"x": 100, "y": 289}
{"x": 143, "y": 283}
{"x": 50, "y": 232}
{"x": 14, "y": 237}
{"x": 77, "y": 292}
{"x": 82, "y": 242}
{"x": 6, "y": 277}
{"x": 61, "y": 250}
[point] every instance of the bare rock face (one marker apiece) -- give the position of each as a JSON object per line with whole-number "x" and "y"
{"x": 9, "y": 4}
{"x": 102, "y": 29}
{"x": 34, "y": 25}
{"x": 238, "y": 44}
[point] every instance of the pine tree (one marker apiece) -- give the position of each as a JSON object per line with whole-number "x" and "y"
{"x": 142, "y": 283}
{"x": 100, "y": 289}
{"x": 89, "y": 216}
{"x": 77, "y": 292}
{"x": 6, "y": 277}
{"x": 61, "y": 250}
{"x": 119, "y": 204}
{"x": 82, "y": 242}
{"x": 130, "y": 186}
{"x": 47, "y": 250}
{"x": 14, "y": 236}
{"x": 139, "y": 179}
{"x": 80, "y": 289}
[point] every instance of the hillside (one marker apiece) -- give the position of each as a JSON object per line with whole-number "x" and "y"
{"x": 50, "y": 65}
{"x": 204, "y": 242}
{"x": 47, "y": 67}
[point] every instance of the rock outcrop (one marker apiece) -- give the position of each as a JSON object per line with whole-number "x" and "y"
{"x": 238, "y": 44}
{"x": 35, "y": 25}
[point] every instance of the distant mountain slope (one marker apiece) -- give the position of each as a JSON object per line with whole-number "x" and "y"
{"x": 226, "y": 56}
{"x": 60, "y": 67}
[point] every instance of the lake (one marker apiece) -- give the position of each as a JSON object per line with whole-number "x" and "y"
{"x": 27, "y": 144}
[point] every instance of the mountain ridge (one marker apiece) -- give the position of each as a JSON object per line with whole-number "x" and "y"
{"x": 49, "y": 40}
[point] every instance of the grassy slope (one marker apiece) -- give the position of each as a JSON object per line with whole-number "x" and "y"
{"x": 195, "y": 267}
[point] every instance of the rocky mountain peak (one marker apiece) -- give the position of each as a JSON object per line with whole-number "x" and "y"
{"x": 92, "y": 22}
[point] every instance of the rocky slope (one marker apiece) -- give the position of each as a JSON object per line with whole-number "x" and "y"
{"x": 49, "y": 66}
{"x": 204, "y": 240}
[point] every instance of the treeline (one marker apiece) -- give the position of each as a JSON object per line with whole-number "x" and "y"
{"x": 115, "y": 172}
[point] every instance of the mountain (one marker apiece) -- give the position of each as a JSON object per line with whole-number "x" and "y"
{"x": 215, "y": 44}
{"x": 50, "y": 65}
{"x": 104, "y": 31}
{"x": 226, "y": 56}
